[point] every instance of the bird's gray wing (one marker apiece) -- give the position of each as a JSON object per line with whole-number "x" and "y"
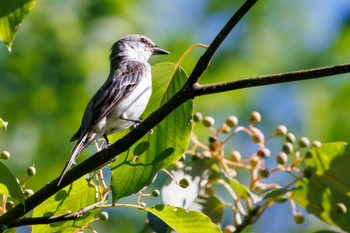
{"x": 124, "y": 81}
{"x": 120, "y": 83}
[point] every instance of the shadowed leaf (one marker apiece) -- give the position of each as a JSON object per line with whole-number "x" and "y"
{"x": 11, "y": 15}
{"x": 328, "y": 185}
{"x": 8, "y": 184}
{"x": 72, "y": 198}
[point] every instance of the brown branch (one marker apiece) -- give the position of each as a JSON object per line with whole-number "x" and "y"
{"x": 252, "y": 216}
{"x": 270, "y": 79}
{"x": 51, "y": 219}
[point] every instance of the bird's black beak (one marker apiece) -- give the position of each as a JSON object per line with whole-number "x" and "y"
{"x": 159, "y": 51}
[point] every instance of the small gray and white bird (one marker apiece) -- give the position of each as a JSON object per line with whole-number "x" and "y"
{"x": 121, "y": 100}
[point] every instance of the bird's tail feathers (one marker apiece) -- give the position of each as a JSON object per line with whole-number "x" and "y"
{"x": 75, "y": 153}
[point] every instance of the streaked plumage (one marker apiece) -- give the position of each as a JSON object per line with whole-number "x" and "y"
{"x": 122, "y": 98}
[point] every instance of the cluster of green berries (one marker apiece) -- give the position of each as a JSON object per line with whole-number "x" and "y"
{"x": 291, "y": 145}
{"x": 31, "y": 171}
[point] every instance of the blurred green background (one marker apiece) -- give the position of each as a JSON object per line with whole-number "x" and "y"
{"x": 60, "y": 58}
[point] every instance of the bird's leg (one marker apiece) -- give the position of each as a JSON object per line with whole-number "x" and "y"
{"x": 106, "y": 139}
{"x": 98, "y": 147}
{"x": 125, "y": 118}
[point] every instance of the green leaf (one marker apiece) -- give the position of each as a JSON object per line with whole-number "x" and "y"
{"x": 11, "y": 15}
{"x": 137, "y": 167}
{"x": 3, "y": 124}
{"x": 182, "y": 220}
{"x": 9, "y": 185}
{"x": 70, "y": 199}
{"x": 328, "y": 185}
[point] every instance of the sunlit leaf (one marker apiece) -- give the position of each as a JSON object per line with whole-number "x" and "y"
{"x": 137, "y": 167}
{"x": 182, "y": 220}
{"x": 8, "y": 184}
{"x": 72, "y": 198}
{"x": 328, "y": 185}
{"x": 11, "y": 15}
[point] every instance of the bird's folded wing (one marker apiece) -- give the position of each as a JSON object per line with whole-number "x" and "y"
{"x": 124, "y": 80}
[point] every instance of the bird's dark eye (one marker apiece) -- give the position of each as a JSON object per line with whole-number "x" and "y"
{"x": 143, "y": 40}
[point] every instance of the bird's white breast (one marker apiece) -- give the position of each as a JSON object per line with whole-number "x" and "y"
{"x": 131, "y": 107}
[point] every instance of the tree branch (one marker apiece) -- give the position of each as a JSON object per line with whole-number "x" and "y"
{"x": 270, "y": 79}
{"x": 51, "y": 219}
{"x": 204, "y": 60}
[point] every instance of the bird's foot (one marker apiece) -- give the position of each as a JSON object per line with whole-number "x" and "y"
{"x": 107, "y": 143}
{"x": 136, "y": 124}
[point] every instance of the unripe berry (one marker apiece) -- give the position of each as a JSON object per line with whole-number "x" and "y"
{"x": 197, "y": 117}
{"x": 225, "y": 128}
{"x": 290, "y": 138}
{"x": 264, "y": 173}
{"x": 299, "y": 218}
{"x": 235, "y": 156}
{"x": 254, "y": 161}
{"x": 208, "y": 121}
{"x": 304, "y": 142}
{"x": 103, "y": 216}
{"x": 31, "y": 171}
{"x": 233, "y": 173}
{"x": 184, "y": 183}
{"x": 229, "y": 229}
{"x": 281, "y": 130}
{"x": 308, "y": 155}
{"x": 231, "y": 121}
{"x": 155, "y": 193}
{"x": 287, "y": 147}
{"x": 214, "y": 143}
{"x": 183, "y": 157}
{"x": 263, "y": 152}
{"x": 28, "y": 192}
{"x": 142, "y": 204}
{"x": 209, "y": 190}
{"x": 9, "y": 205}
{"x": 255, "y": 117}
{"x": 178, "y": 165}
{"x": 308, "y": 172}
{"x": 206, "y": 153}
{"x": 282, "y": 158}
{"x": 340, "y": 208}
{"x": 316, "y": 144}
{"x": 257, "y": 137}
{"x": 5, "y": 155}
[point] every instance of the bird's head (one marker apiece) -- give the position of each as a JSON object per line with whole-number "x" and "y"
{"x": 136, "y": 47}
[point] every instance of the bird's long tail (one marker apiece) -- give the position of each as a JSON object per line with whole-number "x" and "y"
{"x": 75, "y": 153}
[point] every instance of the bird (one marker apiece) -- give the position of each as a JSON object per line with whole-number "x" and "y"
{"x": 120, "y": 101}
